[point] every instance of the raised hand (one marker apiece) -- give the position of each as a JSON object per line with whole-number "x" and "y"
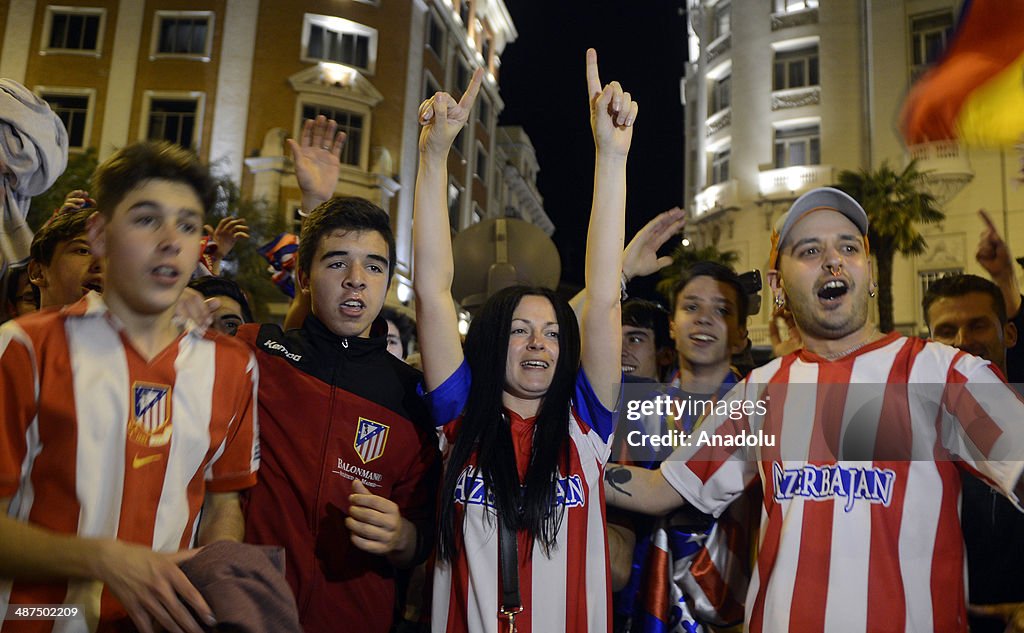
{"x": 641, "y": 255}
{"x": 317, "y": 158}
{"x": 441, "y": 117}
{"x": 74, "y": 201}
{"x": 612, "y": 111}
{"x": 229, "y": 230}
{"x": 993, "y": 253}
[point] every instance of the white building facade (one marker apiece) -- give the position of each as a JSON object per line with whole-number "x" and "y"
{"x": 782, "y": 95}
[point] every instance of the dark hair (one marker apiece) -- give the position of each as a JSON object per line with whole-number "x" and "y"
{"x": 11, "y": 279}
{"x": 347, "y": 214}
{"x": 406, "y": 326}
{"x": 485, "y": 429}
{"x": 131, "y": 166}
{"x": 649, "y": 315}
{"x": 718, "y": 272}
{"x": 60, "y": 228}
{"x": 959, "y": 285}
{"x": 221, "y": 287}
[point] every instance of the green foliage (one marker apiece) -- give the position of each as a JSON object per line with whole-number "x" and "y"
{"x": 76, "y": 176}
{"x": 685, "y": 256}
{"x": 896, "y": 203}
{"x": 244, "y": 264}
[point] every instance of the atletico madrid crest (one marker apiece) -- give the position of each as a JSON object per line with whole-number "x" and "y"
{"x": 370, "y": 439}
{"x": 149, "y": 423}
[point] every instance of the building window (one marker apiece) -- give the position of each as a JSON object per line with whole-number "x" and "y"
{"x": 796, "y": 68}
{"x": 430, "y": 85}
{"x": 464, "y": 12}
{"x": 720, "y": 166}
{"x": 480, "y": 168}
{"x": 435, "y": 34}
{"x": 78, "y": 29}
{"x": 792, "y": 6}
{"x": 929, "y": 35}
{"x": 721, "y": 24}
{"x": 331, "y": 39}
{"x": 350, "y": 123}
{"x": 462, "y": 75}
{"x": 183, "y": 34}
{"x": 798, "y": 146}
{"x": 483, "y": 105}
{"x": 73, "y": 110}
{"x": 478, "y": 214}
{"x": 454, "y": 206}
{"x": 485, "y": 49}
{"x": 720, "y": 94}
{"x": 174, "y": 119}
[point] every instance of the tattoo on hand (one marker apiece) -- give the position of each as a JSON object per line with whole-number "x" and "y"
{"x": 617, "y": 476}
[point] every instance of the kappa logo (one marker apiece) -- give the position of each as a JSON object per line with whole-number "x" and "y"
{"x": 282, "y": 350}
{"x": 150, "y": 420}
{"x": 371, "y": 438}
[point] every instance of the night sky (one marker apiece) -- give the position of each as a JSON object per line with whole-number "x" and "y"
{"x": 543, "y": 83}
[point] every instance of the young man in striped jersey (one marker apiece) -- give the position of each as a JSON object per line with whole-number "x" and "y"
{"x": 845, "y": 545}
{"x": 124, "y": 436}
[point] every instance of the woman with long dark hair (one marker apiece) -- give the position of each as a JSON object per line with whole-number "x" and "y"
{"x": 525, "y": 409}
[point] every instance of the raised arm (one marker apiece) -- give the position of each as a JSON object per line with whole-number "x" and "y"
{"x": 994, "y": 256}
{"x": 437, "y": 323}
{"x": 641, "y": 255}
{"x": 612, "y": 113}
{"x": 640, "y": 490}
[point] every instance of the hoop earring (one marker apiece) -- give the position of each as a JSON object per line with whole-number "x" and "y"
{"x": 873, "y": 290}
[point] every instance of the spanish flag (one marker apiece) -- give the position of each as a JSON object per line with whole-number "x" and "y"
{"x": 975, "y": 95}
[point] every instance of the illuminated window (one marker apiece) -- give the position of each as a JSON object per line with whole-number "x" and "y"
{"x": 722, "y": 21}
{"x": 350, "y": 123}
{"x": 791, "y": 6}
{"x": 78, "y": 29}
{"x": 174, "y": 119}
{"x": 341, "y": 41}
{"x": 796, "y": 68}
{"x": 720, "y": 98}
{"x": 798, "y": 146}
{"x": 73, "y": 110}
{"x": 720, "y": 166}
{"x": 183, "y": 34}
{"x": 929, "y": 35}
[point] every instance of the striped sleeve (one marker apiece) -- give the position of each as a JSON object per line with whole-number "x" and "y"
{"x": 708, "y": 475}
{"x": 19, "y": 390}
{"x": 985, "y": 429}
{"x": 235, "y": 467}
{"x": 447, "y": 402}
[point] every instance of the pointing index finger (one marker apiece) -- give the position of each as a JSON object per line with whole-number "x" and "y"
{"x": 988, "y": 221}
{"x": 593, "y": 77}
{"x": 469, "y": 97}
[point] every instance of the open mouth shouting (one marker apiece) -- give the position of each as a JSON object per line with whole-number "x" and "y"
{"x": 535, "y": 364}
{"x": 165, "y": 275}
{"x": 628, "y": 369}
{"x": 832, "y": 291}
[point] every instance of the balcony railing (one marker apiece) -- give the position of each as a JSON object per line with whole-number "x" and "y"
{"x": 792, "y": 181}
{"x": 715, "y": 198}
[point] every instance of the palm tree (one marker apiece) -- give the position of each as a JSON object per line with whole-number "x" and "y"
{"x": 896, "y": 203}
{"x": 685, "y": 256}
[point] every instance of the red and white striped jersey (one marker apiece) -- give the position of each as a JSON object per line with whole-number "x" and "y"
{"x": 98, "y": 442}
{"x": 865, "y": 545}
{"x": 568, "y": 591}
